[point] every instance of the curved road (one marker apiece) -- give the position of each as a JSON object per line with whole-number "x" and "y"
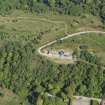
{"x": 66, "y": 37}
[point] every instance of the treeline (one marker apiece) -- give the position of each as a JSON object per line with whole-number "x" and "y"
{"x": 70, "y": 7}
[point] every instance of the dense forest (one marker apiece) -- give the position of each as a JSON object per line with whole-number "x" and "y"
{"x": 31, "y": 76}
{"x": 71, "y": 7}
{"x": 33, "y": 82}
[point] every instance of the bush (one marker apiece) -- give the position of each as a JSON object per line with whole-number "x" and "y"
{"x": 1, "y": 94}
{"x": 94, "y": 102}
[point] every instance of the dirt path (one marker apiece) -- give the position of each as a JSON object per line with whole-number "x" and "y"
{"x": 66, "y": 37}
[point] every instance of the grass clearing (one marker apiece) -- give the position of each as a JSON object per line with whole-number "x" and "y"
{"x": 61, "y": 61}
{"x": 51, "y": 26}
{"x": 75, "y": 24}
{"x": 7, "y": 97}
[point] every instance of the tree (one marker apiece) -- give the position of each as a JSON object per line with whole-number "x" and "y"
{"x": 51, "y": 3}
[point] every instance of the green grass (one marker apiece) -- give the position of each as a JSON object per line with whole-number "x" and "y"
{"x": 25, "y": 24}
{"x": 9, "y": 98}
{"x": 31, "y": 25}
{"x": 52, "y": 26}
{"x": 86, "y": 22}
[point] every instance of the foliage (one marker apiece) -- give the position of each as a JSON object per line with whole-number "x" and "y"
{"x": 31, "y": 76}
{"x": 94, "y": 102}
{"x": 71, "y": 7}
